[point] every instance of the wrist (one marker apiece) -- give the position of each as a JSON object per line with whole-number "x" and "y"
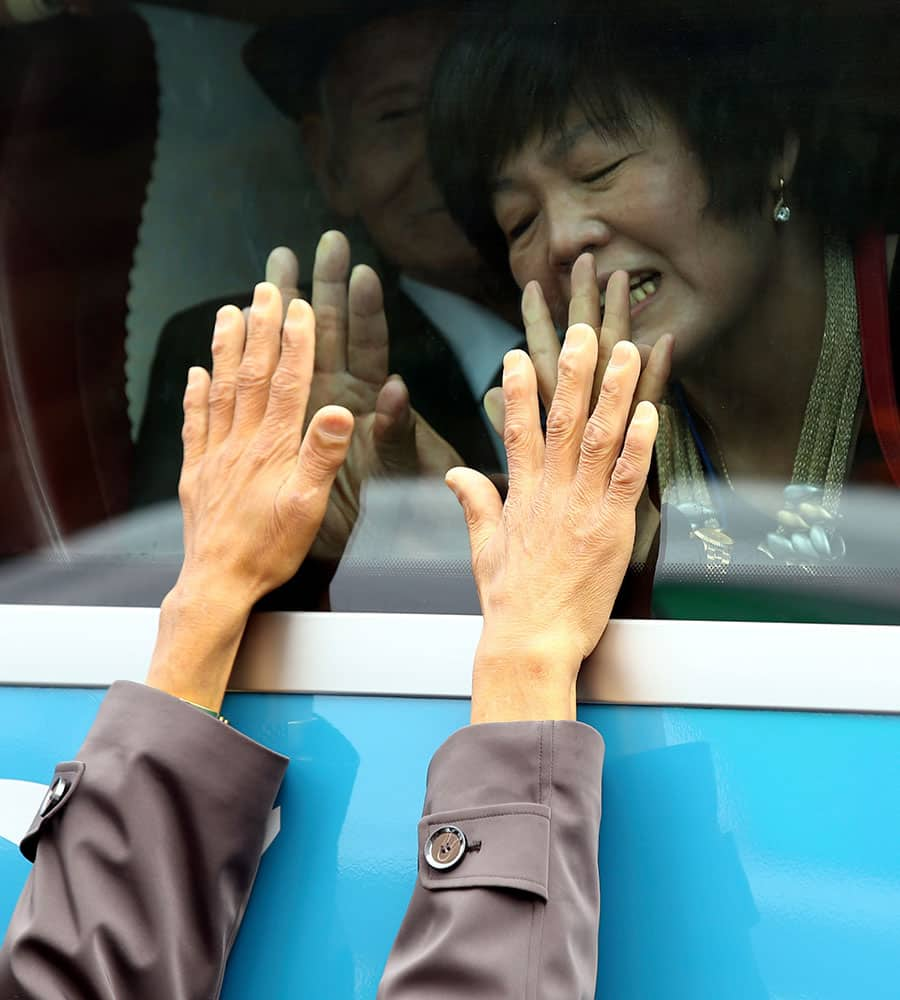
{"x": 517, "y": 681}
{"x": 210, "y": 592}
{"x": 198, "y": 638}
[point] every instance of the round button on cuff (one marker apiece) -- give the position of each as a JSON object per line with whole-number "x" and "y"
{"x": 445, "y": 848}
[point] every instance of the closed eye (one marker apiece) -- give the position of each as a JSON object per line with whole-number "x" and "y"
{"x": 519, "y": 229}
{"x": 597, "y": 175}
{"x": 397, "y": 114}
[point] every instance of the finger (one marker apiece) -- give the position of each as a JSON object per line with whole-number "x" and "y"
{"x": 283, "y": 268}
{"x": 656, "y": 370}
{"x": 543, "y": 340}
{"x": 329, "y": 301}
{"x": 324, "y": 448}
{"x": 394, "y": 430}
{"x": 196, "y": 420}
{"x": 629, "y": 475}
{"x": 367, "y": 343}
{"x": 481, "y": 504}
{"x": 584, "y": 305}
{"x": 569, "y": 409}
{"x": 227, "y": 350}
{"x": 495, "y": 409}
{"x": 522, "y": 435}
{"x": 283, "y": 271}
{"x": 616, "y": 324}
{"x": 261, "y": 352}
{"x": 602, "y": 441}
{"x": 289, "y": 388}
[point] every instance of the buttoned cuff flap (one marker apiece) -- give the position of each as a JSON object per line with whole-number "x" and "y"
{"x": 66, "y": 779}
{"x": 504, "y": 846}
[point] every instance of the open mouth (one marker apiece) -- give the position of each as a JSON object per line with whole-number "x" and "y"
{"x": 642, "y": 286}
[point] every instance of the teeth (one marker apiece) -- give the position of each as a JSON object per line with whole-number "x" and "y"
{"x": 641, "y": 288}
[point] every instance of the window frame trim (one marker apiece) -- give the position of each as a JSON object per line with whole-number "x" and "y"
{"x": 781, "y": 666}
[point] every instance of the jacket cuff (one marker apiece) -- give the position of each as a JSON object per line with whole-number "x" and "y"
{"x": 136, "y": 721}
{"x": 493, "y": 787}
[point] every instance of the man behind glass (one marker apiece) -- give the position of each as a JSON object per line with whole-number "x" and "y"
{"x": 357, "y": 83}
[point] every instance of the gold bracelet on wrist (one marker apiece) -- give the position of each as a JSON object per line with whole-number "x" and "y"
{"x": 209, "y": 711}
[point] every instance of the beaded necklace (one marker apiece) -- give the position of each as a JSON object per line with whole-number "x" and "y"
{"x": 806, "y": 530}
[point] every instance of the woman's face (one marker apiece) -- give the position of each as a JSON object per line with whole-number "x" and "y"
{"x": 637, "y": 204}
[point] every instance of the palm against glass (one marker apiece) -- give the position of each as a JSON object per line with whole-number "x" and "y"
{"x": 351, "y": 370}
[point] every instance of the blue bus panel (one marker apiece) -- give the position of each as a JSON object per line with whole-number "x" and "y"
{"x": 744, "y": 855}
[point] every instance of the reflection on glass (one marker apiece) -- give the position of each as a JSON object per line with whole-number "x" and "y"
{"x": 664, "y": 149}
{"x": 742, "y": 180}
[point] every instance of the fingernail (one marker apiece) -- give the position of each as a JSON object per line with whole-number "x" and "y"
{"x": 621, "y": 353}
{"x": 335, "y": 426}
{"x": 339, "y": 434}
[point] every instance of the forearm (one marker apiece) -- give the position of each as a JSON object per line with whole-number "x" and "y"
{"x": 518, "y": 916}
{"x": 143, "y": 870}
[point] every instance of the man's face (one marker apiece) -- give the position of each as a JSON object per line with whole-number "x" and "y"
{"x": 377, "y": 90}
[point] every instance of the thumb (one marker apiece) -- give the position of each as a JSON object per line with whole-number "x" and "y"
{"x": 394, "y": 430}
{"x": 324, "y": 448}
{"x": 481, "y": 504}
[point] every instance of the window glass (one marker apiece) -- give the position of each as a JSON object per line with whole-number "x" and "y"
{"x": 151, "y": 158}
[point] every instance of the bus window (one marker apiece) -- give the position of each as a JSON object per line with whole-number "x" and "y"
{"x": 494, "y": 171}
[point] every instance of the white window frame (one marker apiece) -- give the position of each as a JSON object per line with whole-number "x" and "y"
{"x": 798, "y": 667}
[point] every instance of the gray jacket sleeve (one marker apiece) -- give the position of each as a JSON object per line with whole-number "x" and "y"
{"x": 144, "y": 866}
{"x": 516, "y": 918}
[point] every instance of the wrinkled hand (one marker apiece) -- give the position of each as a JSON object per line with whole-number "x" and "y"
{"x": 254, "y": 487}
{"x": 351, "y": 369}
{"x": 544, "y": 348}
{"x": 584, "y": 307}
{"x": 351, "y": 362}
{"x": 548, "y": 563}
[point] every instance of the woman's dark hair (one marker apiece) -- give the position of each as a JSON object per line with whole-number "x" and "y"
{"x": 735, "y": 85}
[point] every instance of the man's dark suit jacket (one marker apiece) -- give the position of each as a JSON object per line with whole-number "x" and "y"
{"x": 418, "y": 352}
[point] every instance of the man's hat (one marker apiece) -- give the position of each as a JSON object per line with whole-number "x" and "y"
{"x": 288, "y": 56}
